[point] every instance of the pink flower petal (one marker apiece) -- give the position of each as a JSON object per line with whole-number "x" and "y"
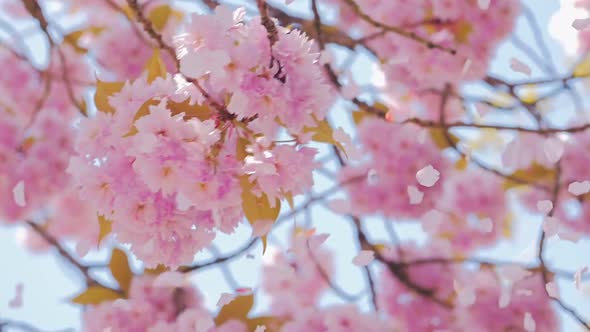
{"x": 261, "y": 227}
{"x": 551, "y": 288}
{"x": 551, "y": 226}
{"x": 545, "y": 206}
{"x": 569, "y": 235}
{"x": 505, "y": 297}
{"x": 317, "y": 240}
{"x": 579, "y": 188}
{"x": 18, "y": 193}
{"x": 553, "y": 148}
{"x": 415, "y": 195}
{"x": 260, "y": 328}
{"x": 364, "y": 258}
{"x": 581, "y": 23}
{"x": 487, "y": 226}
{"x": 428, "y": 176}
{"x": 17, "y": 300}
{"x": 483, "y": 4}
{"x": 224, "y": 299}
{"x": 578, "y": 276}
{"x": 520, "y": 67}
{"x": 529, "y": 322}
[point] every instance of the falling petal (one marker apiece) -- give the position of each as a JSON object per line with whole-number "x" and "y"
{"x": 261, "y": 227}
{"x": 487, "y": 225}
{"x": 317, "y": 240}
{"x": 364, "y": 258}
{"x": 483, "y": 4}
{"x": 415, "y": 195}
{"x": 260, "y": 328}
{"x": 466, "y": 67}
{"x": 581, "y": 23}
{"x": 578, "y": 276}
{"x": 545, "y": 206}
{"x": 579, "y": 188}
{"x": 553, "y": 148}
{"x": 428, "y": 176}
{"x": 224, "y": 299}
{"x": 551, "y": 288}
{"x": 520, "y": 67}
{"x": 17, "y": 300}
{"x": 551, "y": 226}
{"x": 529, "y": 322}
{"x": 18, "y": 193}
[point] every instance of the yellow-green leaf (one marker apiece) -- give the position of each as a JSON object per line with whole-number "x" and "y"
{"x": 438, "y": 137}
{"x": 201, "y": 112}
{"x": 103, "y": 91}
{"x": 119, "y": 266}
{"x": 323, "y": 133}
{"x": 159, "y": 16}
{"x": 238, "y": 309}
{"x": 462, "y": 30}
{"x": 155, "y": 66}
{"x": 73, "y": 38}
{"x": 461, "y": 164}
{"x": 141, "y": 112}
{"x": 96, "y": 295}
{"x": 257, "y": 207}
{"x": 583, "y": 68}
{"x": 104, "y": 227}
{"x": 241, "y": 148}
{"x": 534, "y": 174}
{"x": 161, "y": 268}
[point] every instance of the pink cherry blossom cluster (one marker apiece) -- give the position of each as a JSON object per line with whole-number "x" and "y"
{"x": 395, "y": 154}
{"x": 462, "y": 207}
{"x": 162, "y": 303}
{"x": 151, "y": 172}
{"x": 36, "y": 137}
{"x": 476, "y": 300}
{"x": 464, "y": 26}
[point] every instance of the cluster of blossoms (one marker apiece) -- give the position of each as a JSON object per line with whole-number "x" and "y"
{"x": 461, "y": 207}
{"x": 156, "y": 304}
{"x": 570, "y": 217}
{"x": 34, "y": 143}
{"x": 464, "y": 26}
{"x": 483, "y": 299}
{"x": 163, "y": 144}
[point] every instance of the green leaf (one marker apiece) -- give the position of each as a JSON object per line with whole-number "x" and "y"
{"x": 119, "y": 266}
{"x": 438, "y": 137}
{"x": 105, "y": 227}
{"x": 103, "y": 91}
{"x": 238, "y": 309}
{"x": 96, "y": 295}
{"x": 155, "y": 67}
{"x": 73, "y": 38}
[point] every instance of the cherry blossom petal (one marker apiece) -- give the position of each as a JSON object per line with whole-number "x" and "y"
{"x": 581, "y": 23}
{"x": 545, "y": 206}
{"x": 428, "y": 176}
{"x": 18, "y": 193}
{"x": 520, "y": 67}
{"x": 261, "y": 227}
{"x": 224, "y": 299}
{"x": 578, "y": 276}
{"x": 364, "y": 258}
{"x": 579, "y": 187}
{"x": 415, "y": 195}
{"x": 551, "y": 288}
{"x": 529, "y": 322}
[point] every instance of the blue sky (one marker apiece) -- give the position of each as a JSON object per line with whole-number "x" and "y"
{"x": 49, "y": 281}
